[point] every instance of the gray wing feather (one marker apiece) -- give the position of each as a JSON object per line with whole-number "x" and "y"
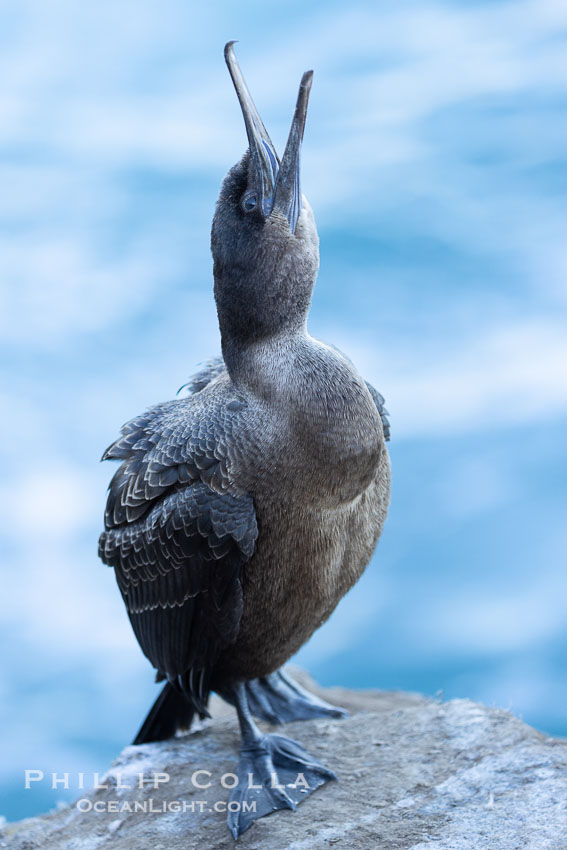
{"x": 209, "y": 371}
{"x": 178, "y": 532}
{"x": 380, "y": 403}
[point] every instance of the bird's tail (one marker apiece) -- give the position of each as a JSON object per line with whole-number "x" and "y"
{"x": 170, "y": 712}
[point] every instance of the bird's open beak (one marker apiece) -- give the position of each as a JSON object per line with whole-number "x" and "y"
{"x": 278, "y": 185}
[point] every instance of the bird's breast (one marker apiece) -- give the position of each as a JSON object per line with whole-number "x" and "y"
{"x": 341, "y": 449}
{"x": 323, "y": 445}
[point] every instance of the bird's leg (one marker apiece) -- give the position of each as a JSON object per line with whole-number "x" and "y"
{"x": 274, "y": 772}
{"x": 277, "y": 698}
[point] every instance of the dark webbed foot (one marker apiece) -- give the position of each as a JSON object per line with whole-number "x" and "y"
{"x": 277, "y": 698}
{"x": 274, "y": 772}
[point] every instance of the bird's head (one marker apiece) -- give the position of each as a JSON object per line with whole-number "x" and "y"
{"x": 264, "y": 239}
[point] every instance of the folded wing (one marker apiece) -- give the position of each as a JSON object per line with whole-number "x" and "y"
{"x": 178, "y": 532}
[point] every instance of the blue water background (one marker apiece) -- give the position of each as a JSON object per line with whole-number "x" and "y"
{"x": 435, "y": 160}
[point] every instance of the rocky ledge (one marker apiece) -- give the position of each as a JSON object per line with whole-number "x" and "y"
{"x": 413, "y": 773}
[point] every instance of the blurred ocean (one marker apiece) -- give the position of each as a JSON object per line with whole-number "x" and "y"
{"x": 435, "y": 160}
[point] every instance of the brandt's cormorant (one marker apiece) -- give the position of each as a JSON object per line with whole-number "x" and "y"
{"x": 241, "y": 514}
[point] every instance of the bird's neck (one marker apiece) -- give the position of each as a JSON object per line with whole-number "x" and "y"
{"x": 264, "y": 366}
{"x": 262, "y": 313}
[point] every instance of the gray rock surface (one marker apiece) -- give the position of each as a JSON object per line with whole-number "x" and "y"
{"x": 413, "y": 773}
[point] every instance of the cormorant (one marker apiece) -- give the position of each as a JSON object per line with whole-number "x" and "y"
{"x": 242, "y": 513}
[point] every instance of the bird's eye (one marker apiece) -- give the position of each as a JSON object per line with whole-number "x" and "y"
{"x": 249, "y": 202}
